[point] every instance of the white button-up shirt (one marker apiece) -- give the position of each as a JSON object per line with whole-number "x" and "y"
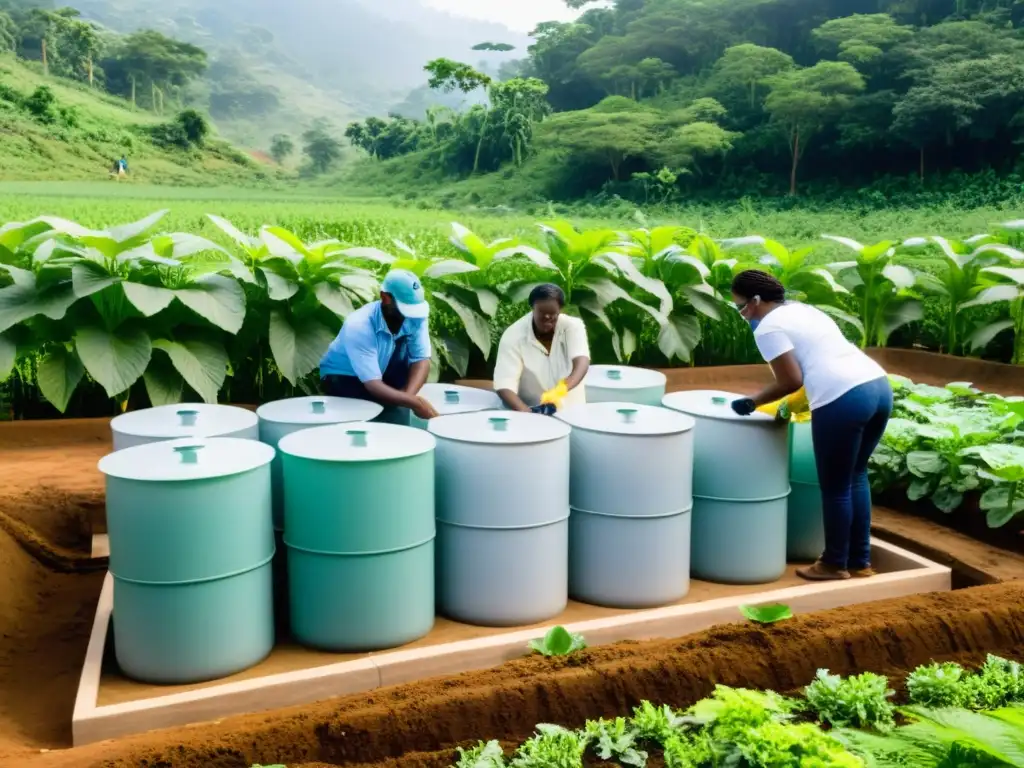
{"x": 526, "y": 367}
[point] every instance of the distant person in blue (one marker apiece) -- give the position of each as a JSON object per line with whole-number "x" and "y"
{"x": 382, "y": 352}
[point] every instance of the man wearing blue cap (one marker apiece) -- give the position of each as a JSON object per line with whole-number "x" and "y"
{"x": 382, "y": 352}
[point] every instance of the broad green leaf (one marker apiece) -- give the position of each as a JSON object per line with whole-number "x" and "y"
{"x": 849, "y": 243}
{"x": 476, "y": 325}
{"x": 900, "y": 313}
{"x": 202, "y": 364}
{"x": 116, "y": 360}
{"x": 284, "y": 244}
{"x": 766, "y": 614}
{"x": 87, "y": 279}
{"x": 335, "y": 299}
{"x": 843, "y": 316}
{"x": 992, "y": 295}
{"x": 518, "y": 293}
{"x": 900, "y": 276}
{"x": 217, "y": 299}
{"x": 297, "y": 346}
{"x": 449, "y": 267}
{"x": 558, "y": 642}
{"x": 985, "y": 335}
{"x": 19, "y": 276}
{"x": 19, "y": 302}
{"x": 229, "y": 229}
{"x": 926, "y": 463}
{"x": 703, "y": 299}
{"x": 1000, "y": 505}
{"x": 1009, "y": 273}
{"x": 535, "y": 255}
{"x": 488, "y": 301}
{"x": 8, "y": 356}
{"x": 148, "y": 299}
{"x": 679, "y": 337}
{"x": 278, "y": 288}
{"x": 369, "y": 254}
{"x": 125, "y": 232}
{"x": 164, "y": 384}
{"x": 1003, "y": 460}
{"x": 455, "y": 351}
{"x": 58, "y": 375}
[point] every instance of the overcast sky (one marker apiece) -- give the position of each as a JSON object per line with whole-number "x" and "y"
{"x": 520, "y": 15}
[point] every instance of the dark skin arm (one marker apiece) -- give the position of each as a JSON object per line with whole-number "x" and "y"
{"x": 580, "y": 366}
{"x": 788, "y": 379}
{"x": 406, "y": 398}
{"x": 512, "y": 401}
{"x": 418, "y": 374}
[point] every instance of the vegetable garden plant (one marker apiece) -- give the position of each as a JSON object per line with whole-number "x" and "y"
{"x": 161, "y": 317}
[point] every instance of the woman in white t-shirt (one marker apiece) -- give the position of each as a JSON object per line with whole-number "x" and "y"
{"x": 851, "y": 402}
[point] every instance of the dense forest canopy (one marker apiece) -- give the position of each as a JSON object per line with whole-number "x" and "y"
{"x": 664, "y": 96}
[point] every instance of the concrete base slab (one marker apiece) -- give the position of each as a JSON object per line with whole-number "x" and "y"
{"x": 110, "y": 706}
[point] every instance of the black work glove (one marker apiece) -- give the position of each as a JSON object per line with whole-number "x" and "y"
{"x": 744, "y": 406}
{"x": 547, "y": 409}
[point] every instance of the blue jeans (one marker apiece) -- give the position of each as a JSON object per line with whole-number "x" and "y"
{"x": 846, "y": 433}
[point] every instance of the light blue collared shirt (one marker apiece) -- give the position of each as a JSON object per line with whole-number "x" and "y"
{"x": 365, "y": 345}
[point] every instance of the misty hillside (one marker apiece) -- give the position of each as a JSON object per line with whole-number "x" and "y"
{"x": 339, "y": 60}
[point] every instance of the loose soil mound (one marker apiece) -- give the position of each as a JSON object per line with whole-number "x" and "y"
{"x": 418, "y": 725}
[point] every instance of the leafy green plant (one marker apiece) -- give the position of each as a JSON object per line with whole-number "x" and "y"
{"x": 615, "y": 740}
{"x": 552, "y": 747}
{"x": 936, "y": 685}
{"x": 998, "y": 683}
{"x": 862, "y": 701}
{"x": 767, "y": 614}
{"x": 483, "y": 755}
{"x": 1003, "y": 464}
{"x": 558, "y": 642}
{"x": 656, "y": 724}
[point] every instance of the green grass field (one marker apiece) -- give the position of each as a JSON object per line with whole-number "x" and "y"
{"x": 315, "y": 213}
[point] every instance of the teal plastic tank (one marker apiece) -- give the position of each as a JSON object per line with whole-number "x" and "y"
{"x": 624, "y": 384}
{"x": 740, "y": 490}
{"x": 449, "y": 399}
{"x": 279, "y": 419}
{"x": 806, "y": 535}
{"x": 359, "y": 528}
{"x": 191, "y": 545}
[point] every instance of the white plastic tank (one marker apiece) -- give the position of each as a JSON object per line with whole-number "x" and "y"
{"x": 502, "y": 483}
{"x": 449, "y": 399}
{"x": 172, "y": 422}
{"x": 624, "y": 384}
{"x": 631, "y": 492}
{"x": 740, "y": 487}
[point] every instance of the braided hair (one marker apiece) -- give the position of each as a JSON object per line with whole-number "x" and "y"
{"x": 754, "y": 282}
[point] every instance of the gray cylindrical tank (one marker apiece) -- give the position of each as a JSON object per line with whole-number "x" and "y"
{"x": 624, "y": 384}
{"x": 173, "y": 422}
{"x": 449, "y": 399}
{"x": 359, "y": 527}
{"x": 631, "y": 492}
{"x": 283, "y": 417}
{"x": 741, "y": 490}
{"x": 191, "y": 544}
{"x": 503, "y": 517}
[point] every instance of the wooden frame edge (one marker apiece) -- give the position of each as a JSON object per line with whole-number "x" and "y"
{"x": 91, "y": 722}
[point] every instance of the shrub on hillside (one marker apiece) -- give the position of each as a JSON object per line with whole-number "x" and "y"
{"x": 42, "y": 105}
{"x": 188, "y": 129}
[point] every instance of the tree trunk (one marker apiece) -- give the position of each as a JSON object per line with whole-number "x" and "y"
{"x": 616, "y": 162}
{"x": 796, "y": 161}
{"x": 480, "y": 142}
{"x": 46, "y": 64}
{"x": 920, "y": 168}
{"x": 90, "y": 71}
{"x": 133, "y": 91}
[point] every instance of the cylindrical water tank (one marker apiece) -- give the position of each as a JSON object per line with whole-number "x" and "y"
{"x": 740, "y": 489}
{"x": 282, "y": 417}
{"x": 359, "y": 527}
{"x": 624, "y": 384}
{"x": 191, "y": 544}
{"x": 449, "y": 399}
{"x": 503, "y": 517}
{"x": 806, "y": 536}
{"x": 173, "y": 422}
{"x": 631, "y": 491}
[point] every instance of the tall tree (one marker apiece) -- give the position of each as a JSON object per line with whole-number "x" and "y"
{"x": 322, "y": 149}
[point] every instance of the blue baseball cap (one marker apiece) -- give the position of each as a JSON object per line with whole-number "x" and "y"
{"x": 408, "y": 293}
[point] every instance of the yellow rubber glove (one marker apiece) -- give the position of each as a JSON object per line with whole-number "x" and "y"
{"x": 792, "y": 408}
{"x": 555, "y": 396}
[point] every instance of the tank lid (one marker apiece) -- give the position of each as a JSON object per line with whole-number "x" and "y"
{"x": 188, "y": 458}
{"x": 357, "y": 441}
{"x": 623, "y": 377}
{"x": 167, "y": 422}
{"x": 499, "y": 428}
{"x": 455, "y": 398}
{"x": 626, "y": 419}
{"x": 711, "y": 404}
{"x": 319, "y": 410}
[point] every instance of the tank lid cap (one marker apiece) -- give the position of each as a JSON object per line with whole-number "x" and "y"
{"x": 188, "y": 417}
{"x": 614, "y": 374}
{"x": 628, "y": 415}
{"x": 718, "y": 400}
{"x": 318, "y": 406}
{"x": 358, "y": 437}
{"x": 189, "y": 453}
{"x": 498, "y": 423}
{"x": 451, "y": 395}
